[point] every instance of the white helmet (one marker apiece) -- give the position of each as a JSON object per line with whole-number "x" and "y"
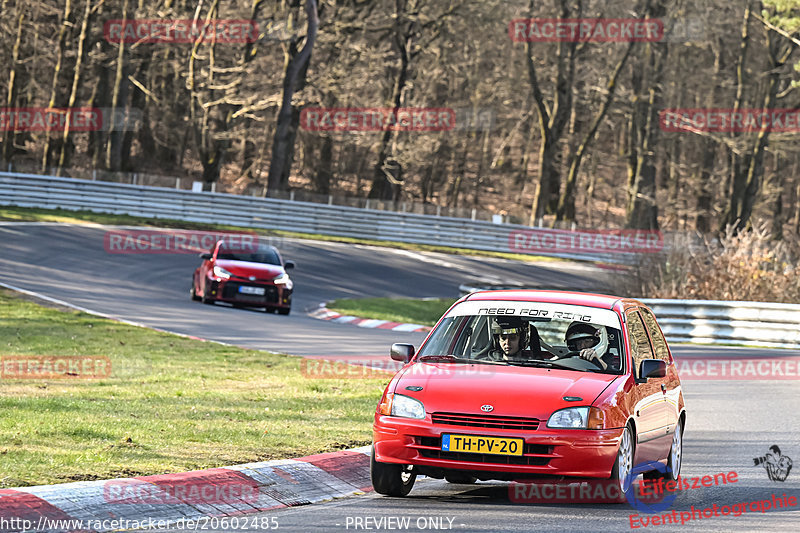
{"x": 583, "y": 330}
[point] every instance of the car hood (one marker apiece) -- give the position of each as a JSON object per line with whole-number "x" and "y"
{"x": 245, "y": 269}
{"x": 510, "y": 390}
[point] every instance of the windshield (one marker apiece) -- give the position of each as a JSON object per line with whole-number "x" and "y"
{"x": 594, "y": 335}
{"x": 261, "y": 254}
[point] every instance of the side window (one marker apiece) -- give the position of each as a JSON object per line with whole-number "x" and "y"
{"x": 659, "y": 344}
{"x": 637, "y": 339}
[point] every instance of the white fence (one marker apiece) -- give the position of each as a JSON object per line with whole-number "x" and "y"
{"x": 28, "y": 190}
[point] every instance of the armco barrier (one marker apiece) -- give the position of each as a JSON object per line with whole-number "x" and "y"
{"x": 28, "y": 190}
{"x": 771, "y": 325}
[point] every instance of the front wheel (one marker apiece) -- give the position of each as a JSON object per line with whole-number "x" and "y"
{"x": 623, "y": 466}
{"x": 284, "y": 310}
{"x": 391, "y": 479}
{"x": 193, "y": 293}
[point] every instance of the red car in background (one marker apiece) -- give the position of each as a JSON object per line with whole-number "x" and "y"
{"x": 463, "y": 408}
{"x": 244, "y": 274}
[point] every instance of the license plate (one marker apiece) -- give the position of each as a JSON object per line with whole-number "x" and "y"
{"x": 252, "y": 290}
{"x": 473, "y": 444}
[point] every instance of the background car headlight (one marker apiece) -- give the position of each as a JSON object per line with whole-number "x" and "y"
{"x": 577, "y": 418}
{"x": 221, "y": 273}
{"x": 407, "y": 407}
{"x": 282, "y": 279}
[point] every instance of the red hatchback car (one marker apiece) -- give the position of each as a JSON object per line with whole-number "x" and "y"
{"x": 523, "y": 385}
{"x": 245, "y": 275}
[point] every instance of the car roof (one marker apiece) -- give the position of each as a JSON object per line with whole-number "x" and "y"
{"x": 603, "y": 301}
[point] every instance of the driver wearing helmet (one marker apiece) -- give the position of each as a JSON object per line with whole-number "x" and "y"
{"x": 511, "y": 335}
{"x": 590, "y": 342}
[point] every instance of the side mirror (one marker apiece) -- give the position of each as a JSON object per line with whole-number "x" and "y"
{"x": 206, "y": 256}
{"x": 288, "y": 264}
{"x": 402, "y": 352}
{"x": 652, "y": 368}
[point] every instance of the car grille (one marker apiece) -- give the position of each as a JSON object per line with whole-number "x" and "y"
{"x": 534, "y": 454}
{"x": 231, "y": 292}
{"x": 485, "y": 421}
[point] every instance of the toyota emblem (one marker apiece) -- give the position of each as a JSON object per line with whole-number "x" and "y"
{"x": 487, "y": 408}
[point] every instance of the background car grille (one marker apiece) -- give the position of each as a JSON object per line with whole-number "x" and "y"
{"x": 485, "y": 421}
{"x": 535, "y": 454}
{"x": 231, "y": 291}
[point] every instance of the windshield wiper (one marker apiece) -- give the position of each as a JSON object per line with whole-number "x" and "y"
{"x": 454, "y": 359}
{"x": 542, "y": 362}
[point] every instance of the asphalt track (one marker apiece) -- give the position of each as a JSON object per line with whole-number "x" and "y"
{"x": 729, "y": 422}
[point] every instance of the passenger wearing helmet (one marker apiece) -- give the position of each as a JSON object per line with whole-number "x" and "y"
{"x": 590, "y": 342}
{"x": 510, "y": 335}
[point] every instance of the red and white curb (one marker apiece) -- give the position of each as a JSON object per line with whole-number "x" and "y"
{"x": 324, "y": 313}
{"x": 141, "y": 502}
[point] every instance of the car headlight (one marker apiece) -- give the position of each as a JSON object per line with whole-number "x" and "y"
{"x": 577, "y": 418}
{"x": 283, "y": 279}
{"x": 407, "y": 407}
{"x": 221, "y": 273}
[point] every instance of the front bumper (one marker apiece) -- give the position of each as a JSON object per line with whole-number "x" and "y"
{"x": 548, "y": 452}
{"x": 277, "y": 296}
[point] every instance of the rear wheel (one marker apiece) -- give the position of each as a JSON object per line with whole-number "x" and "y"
{"x": 673, "y": 460}
{"x": 391, "y": 479}
{"x": 284, "y": 310}
{"x": 460, "y": 478}
{"x": 269, "y": 309}
{"x": 623, "y": 466}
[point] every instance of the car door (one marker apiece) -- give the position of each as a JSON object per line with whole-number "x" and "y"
{"x": 671, "y": 385}
{"x": 648, "y": 401}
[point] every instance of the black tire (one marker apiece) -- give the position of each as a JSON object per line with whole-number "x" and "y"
{"x": 284, "y": 310}
{"x": 193, "y": 294}
{"x": 674, "y": 459}
{"x": 460, "y": 478}
{"x": 207, "y": 301}
{"x": 623, "y": 464}
{"x": 269, "y": 309}
{"x": 391, "y": 479}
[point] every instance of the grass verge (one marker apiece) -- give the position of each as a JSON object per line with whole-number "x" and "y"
{"x": 24, "y": 214}
{"x": 170, "y": 404}
{"x": 426, "y": 312}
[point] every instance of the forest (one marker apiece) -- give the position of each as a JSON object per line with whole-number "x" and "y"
{"x": 506, "y": 106}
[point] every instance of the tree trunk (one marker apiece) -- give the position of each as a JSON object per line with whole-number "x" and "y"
{"x": 66, "y": 24}
{"x": 288, "y": 117}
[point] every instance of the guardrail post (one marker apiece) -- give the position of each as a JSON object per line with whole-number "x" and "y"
{"x": 291, "y": 196}
{"x": 94, "y": 174}
{"x": 330, "y": 199}
{"x": 439, "y": 210}
{"x": 177, "y": 183}
{"x": 474, "y": 213}
{"x": 366, "y": 206}
{"x": 213, "y": 186}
